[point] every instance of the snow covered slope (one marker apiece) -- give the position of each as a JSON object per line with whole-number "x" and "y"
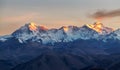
{"x": 41, "y": 34}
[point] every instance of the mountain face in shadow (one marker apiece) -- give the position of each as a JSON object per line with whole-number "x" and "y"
{"x": 62, "y": 61}
{"x": 77, "y": 55}
{"x": 53, "y": 61}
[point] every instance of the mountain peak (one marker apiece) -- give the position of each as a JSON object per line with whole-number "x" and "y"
{"x": 65, "y": 28}
{"x": 97, "y": 26}
{"x": 32, "y": 26}
{"x": 100, "y": 28}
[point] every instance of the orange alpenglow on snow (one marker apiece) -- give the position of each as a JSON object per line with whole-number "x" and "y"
{"x": 97, "y": 26}
{"x": 32, "y": 26}
{"x": 43, "y": 27}
{"x": 65, "y": 28}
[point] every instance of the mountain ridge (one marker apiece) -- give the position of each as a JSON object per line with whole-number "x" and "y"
{"x": 33, "y": 32}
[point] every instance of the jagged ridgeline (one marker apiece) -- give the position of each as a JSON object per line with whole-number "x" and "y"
{"x": 32, "y": 47}
{"x": 42, "y": 34}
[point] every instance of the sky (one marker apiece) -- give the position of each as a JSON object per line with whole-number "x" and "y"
{"x": 54, "y": 13}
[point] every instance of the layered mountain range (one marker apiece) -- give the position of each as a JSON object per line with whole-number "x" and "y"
{"x": 32, "y": 47}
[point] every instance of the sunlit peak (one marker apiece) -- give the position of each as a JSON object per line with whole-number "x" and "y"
{"x": 65, "y": 28}
{"x": 98, "y": 26}
{"x": 32, "y": 26}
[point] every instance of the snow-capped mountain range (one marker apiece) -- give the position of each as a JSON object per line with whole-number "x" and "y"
{"x": 89, "y": 46}
{"x": 33, "y": 32}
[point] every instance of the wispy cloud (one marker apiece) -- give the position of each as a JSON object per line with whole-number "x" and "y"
{"x": 105, "y": 14}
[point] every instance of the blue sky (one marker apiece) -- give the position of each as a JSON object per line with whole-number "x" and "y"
{"x": 53, "y": 13}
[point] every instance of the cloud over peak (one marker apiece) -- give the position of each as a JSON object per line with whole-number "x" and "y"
{"x": 105, "y": 14}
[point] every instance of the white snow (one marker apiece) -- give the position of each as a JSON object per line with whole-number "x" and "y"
{"x": 4, "y": 38}
{"x": 60, "y": 35}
